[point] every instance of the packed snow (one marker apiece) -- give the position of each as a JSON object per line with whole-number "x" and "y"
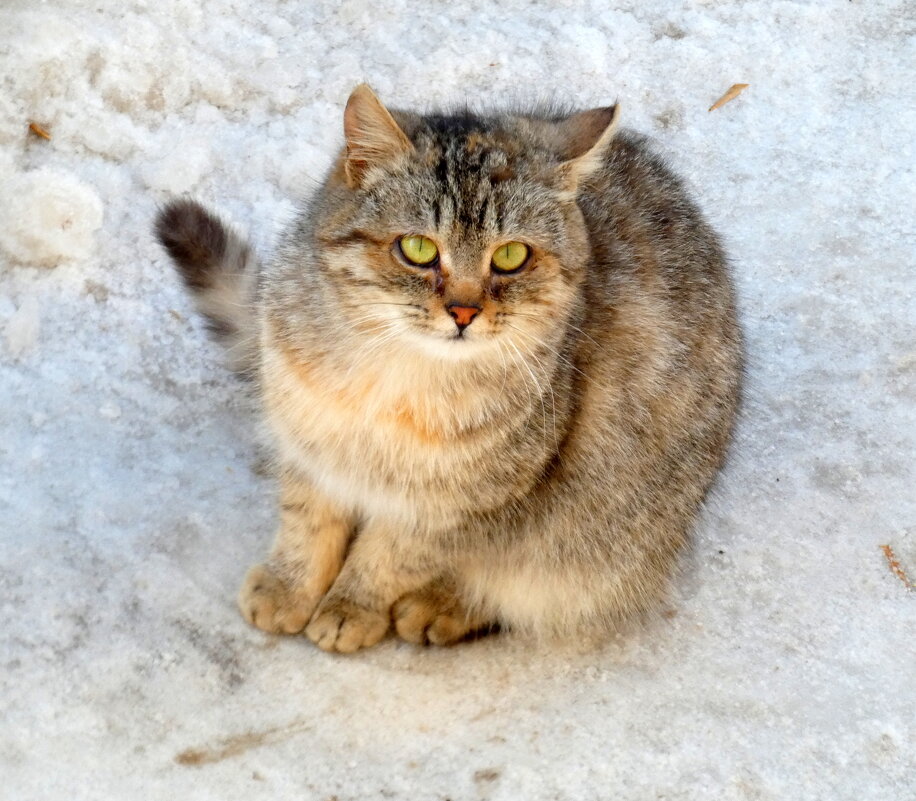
{"x": 131, "y": 496}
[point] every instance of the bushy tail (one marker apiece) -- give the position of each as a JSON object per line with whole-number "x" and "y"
{"x": 220, "y": 270}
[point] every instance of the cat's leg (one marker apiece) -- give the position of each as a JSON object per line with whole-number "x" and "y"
{"x": 380, "y": 568}
{"x": 436, "y": 614}
{"x": 281, "y": 595}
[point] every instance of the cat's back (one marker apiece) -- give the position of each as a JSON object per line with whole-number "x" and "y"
{"x": 657, "y": 266}
{"x": 660, "y": 343}
{"x": 645, "y": 227}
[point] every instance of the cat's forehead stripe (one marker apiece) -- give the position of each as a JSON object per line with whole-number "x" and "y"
{"x": 465, "y": 199}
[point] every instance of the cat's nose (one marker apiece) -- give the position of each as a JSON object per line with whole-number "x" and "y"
{"x": 464, "y": 315}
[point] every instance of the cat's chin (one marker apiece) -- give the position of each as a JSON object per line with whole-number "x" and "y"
{"x": 453, "y": 348}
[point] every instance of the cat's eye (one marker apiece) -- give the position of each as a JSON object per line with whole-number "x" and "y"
{"x": 509, "y": 257}
{"x": 419, "y": 250}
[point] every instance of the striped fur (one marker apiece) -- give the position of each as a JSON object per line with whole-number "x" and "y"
{"x": 221, "y": 271}
{"x": 539, "y": 472}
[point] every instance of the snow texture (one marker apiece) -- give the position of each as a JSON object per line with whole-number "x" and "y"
{"x": 130, "y": 499}
{"x": 48, "y": 215}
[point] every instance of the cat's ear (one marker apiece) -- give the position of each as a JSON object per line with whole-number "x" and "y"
{"x": 583, "y": 140}
{"x": 374, "y": 139}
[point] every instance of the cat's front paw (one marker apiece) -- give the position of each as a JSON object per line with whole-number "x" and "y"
{"x": 434, "y": 616}
{"x": 343, "y": 626}
{"x": 266, "y": 601}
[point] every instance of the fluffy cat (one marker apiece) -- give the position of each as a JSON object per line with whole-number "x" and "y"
{"x": 499, "y": 359}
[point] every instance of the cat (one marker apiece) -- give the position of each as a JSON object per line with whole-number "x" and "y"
{"x": 499, "y": 360}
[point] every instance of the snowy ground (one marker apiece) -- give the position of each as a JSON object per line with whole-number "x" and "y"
{"x": 129, "y": 496}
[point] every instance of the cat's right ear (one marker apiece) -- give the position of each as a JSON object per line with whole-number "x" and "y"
{"x": 374, "y": 139}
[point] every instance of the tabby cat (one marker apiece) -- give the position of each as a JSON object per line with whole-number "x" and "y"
{"x": 499, "y": 360}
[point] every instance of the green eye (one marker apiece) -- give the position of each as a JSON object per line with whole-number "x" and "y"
{"x": 418, "y": 249}
{"x": 509, "y": 257}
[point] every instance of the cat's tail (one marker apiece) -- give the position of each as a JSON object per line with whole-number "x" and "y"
{"x": 220, "y": 270}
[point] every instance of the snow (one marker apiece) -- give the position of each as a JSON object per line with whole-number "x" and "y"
{"x": 23, "y": 327}
{"x": 131, "y": 497}
{"x": 49, "y": 215}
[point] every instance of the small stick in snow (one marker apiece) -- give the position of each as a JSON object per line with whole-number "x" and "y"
{"x": 895, "y": 567}
{"x": 36, "y": 129}
{"x": 734, "y": 90}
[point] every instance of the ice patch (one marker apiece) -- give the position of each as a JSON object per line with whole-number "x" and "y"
{"x": 48, "y": 216}
{"x": 23, "y": 327}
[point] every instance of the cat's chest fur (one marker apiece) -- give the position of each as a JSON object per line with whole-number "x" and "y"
{"x": 391, "y": 439}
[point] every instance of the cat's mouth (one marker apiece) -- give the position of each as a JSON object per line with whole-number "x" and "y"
{"x": 454, "y": 344}
{"x": 467, "y": 338}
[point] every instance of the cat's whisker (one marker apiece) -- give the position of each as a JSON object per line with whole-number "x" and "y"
{"x": 528, "y": 391}
{"x": 568, "y": 324}
{"x": 376, "y": 345}
{"x": 548, "y": 375}
{"x": 540, "y": 343}
{"x": 537, "y": 386}
{"x": 368, "y": 318}
{"x": 387, "y": 334}
{"x": 505, "y": 366}
{"x": 373, "y": 317}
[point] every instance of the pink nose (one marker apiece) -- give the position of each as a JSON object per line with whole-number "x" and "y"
{"x": 464, "y": 315}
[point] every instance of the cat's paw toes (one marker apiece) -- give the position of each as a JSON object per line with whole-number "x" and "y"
{"x": 267, "y": 602}
{"x": 342, "y": 626}
{"x": 431, "y": 618}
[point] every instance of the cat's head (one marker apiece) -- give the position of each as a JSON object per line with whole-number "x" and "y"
{"x": 457, "y": 234}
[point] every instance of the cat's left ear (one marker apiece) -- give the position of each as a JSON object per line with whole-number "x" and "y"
{"x": 583, "y": 140}
{"x": 373, "y": 137}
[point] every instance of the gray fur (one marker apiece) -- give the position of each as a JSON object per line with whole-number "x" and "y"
{"x": 545, "y": 477}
